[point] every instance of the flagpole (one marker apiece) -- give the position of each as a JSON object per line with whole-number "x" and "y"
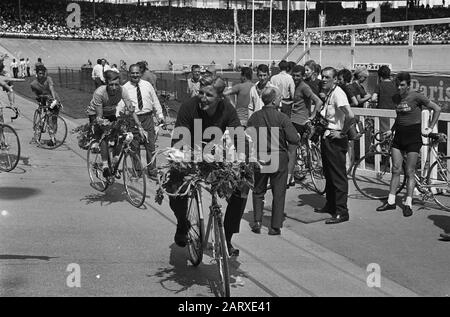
{"x": 287, "y": 27}
{"x": 270, "y": 32}
{"x": 234, "y": 49}
{"x": 304, "y": 27}
{"x": 253, "y": 31}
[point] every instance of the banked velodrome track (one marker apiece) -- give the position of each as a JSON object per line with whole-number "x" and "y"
{"x": 74, "y": 53}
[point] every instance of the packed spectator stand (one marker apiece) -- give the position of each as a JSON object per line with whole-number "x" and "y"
{"x": 120, "y": 22}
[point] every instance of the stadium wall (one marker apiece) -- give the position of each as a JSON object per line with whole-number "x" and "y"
{"x": 74, "y": 53}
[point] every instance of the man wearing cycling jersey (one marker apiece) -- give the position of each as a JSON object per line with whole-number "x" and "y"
{"x": 214, "y": 111}
{"x": 102, "y": 109}
{"x": 301, "y": 115}
{"x": 44, "y": 89}
{"x": 408, "y": 138}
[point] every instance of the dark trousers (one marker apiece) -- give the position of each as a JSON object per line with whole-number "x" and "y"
{"x": 278, "y": 182}
{"x": 28, "y": 72}
{"x": 149, "y": 126}
{"x": 233, "y": 213}
{"x": 15, "y": 72}
{"x": 98, "y": 82}
{"x": 286, "y": 108}
{"x": 333, "y": 159}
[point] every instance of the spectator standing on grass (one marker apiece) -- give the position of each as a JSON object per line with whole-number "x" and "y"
{"x": 268, "y": 118}
{"x": 242, "y": 92}
{"x": 193, "y": 83}
{"x": 14, "y": 68}
{"x": 22, "y": 68}
{"x": 97, "y": 74}
{"x": 286, "y": 85}
{"x": 27, "y": 64}
{"x": 146, "y": 103}
{"x": 384, "y": 94}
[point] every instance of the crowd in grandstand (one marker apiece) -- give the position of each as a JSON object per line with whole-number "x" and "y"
{"x": 47, "y": 19}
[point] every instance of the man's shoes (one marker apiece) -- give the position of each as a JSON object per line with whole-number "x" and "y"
{"x": 291, "y": 183}
{"x": 256, "y": 227}
{"x": 180, "y": 237}
{"x": 445, "y": 236}
{"x": 386, "y": 206}
{"x": 337, "y": 219}
{"x": 106, "y": 172}
{"x": 95, "y": 148}
{"x": 51, "y": 143}
{"x": 274, "y": 231}
{"x": 407, "y": 211}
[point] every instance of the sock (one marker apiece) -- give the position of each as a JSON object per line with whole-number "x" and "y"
{"x": 391, "y": 199}
{"x": 408, "y": 201}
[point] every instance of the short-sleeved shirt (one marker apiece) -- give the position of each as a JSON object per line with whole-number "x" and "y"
{"x": 242, "y": 91}
{"x": 332, "y": 110}
{"x": 358, "y": 89}
{"x": 108, "y": 101}
{"x": 193, "y": 87}
{"x": 285, "y": 83}
{"x": 385, "y": 90}
{"x": 302, "y": 104}
{"x": 42, "y": 88}
{"x": 256, "y": 102}
{"x": 225, "y": 116}
{"x": 409, "y": 109}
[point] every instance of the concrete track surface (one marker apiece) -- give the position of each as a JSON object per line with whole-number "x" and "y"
{"x": 52, "y": 219}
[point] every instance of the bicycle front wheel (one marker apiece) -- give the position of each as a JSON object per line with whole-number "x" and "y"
{"x": 372, "y": 175}
{"x": 95, "y": 170}
{"x": 9, "y": 148}
{"x": 37, "y": 125}
{"x": 221, "y": 256}
{"x": 134, "y": 179}
{"x": 195, "y": 229}
{"x": 439, "y": 177}
{"x": 56, "y": 127}
{"x": 316, "y": 169}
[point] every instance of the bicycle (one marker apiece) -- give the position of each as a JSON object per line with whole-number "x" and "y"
{"x": 47, "y": 120}
{"x": 198, "y": 237}
{"x": 170, "y": 115}
{"x": 9, "y": 143}
{"x": 132, "y": 170}
{"x": 309, "y": 160}
{"x": 433, "y": 182}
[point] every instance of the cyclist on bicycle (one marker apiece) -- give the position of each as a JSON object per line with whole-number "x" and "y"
{"x": 213, "y": 110}
{"x": 408, "y": 138}
{"x": 44, "y": 89}
{"x": 102, "y": 109}
{"x": 301, "y": 114}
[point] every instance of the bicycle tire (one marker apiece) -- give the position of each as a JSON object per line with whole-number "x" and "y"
{"x": 373, "y": 184}
{"x": 441, "y": 193}
{"x": 133, "y": 173}
{"x": 195, "y": 230}
{"x": 221, "y": 256}
{"x": 95, "y": 171}
{"x": 316, "y": 169}
{"x": 60, "y": 135}
{"x": 9, "y": 148}
{"x": 37, "y": 125}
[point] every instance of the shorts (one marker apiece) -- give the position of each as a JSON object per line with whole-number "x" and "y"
{"x": 408, "y": 139}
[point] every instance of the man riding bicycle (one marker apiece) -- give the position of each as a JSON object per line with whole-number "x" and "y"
{"x": 102, "y": 110}
{"x": 44, "y": 89}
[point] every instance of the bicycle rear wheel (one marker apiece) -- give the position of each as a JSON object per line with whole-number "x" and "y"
{"x": 439, "y": 176}
{"x": 372, "y": 175}
{"x": 316, "y": 169}
{"x": 9, "y": 148}
{"x": 221, "y": 256}
{"x": 95, "y": 170}
{"x": 195, "y": 229}
{"x": 56, "y": 125}
{"x": 134, "y": 179}
{"x": 37, "y": 125}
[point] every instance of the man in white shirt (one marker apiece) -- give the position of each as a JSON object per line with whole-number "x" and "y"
{"x": 14, "y": 68}
{"x": 97, "y": 74}
{"x": 145, "y": 102}
{"x": 334, "y": 147}
{"x": 286, "y": 85}
{"x": 194, "y": 82}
